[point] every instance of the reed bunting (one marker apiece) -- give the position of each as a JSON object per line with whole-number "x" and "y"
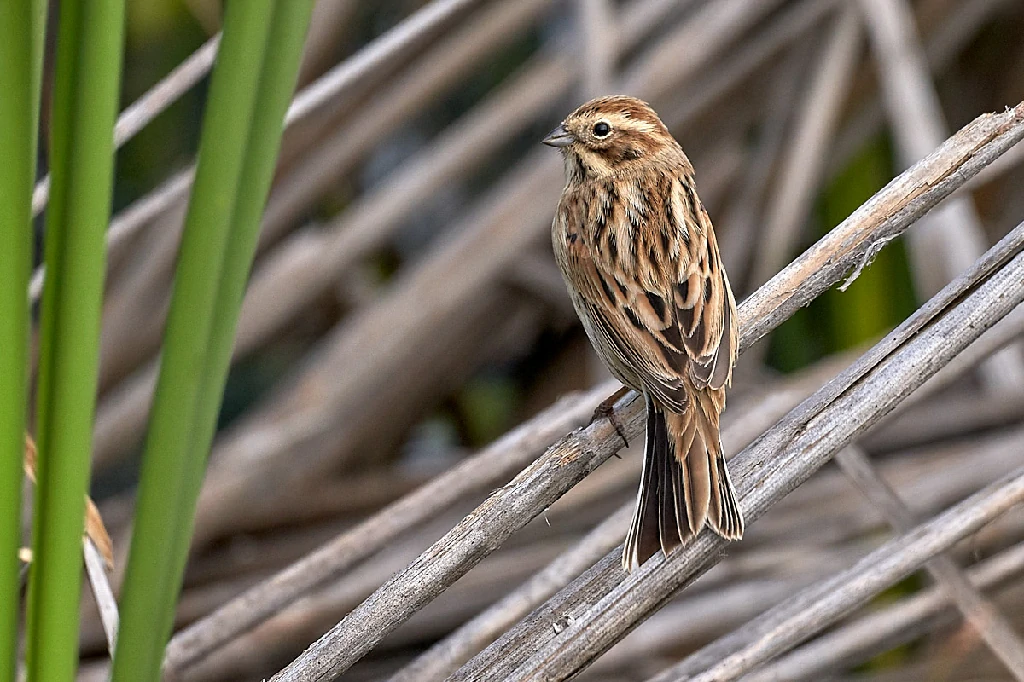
{"x": 640, "y": 261}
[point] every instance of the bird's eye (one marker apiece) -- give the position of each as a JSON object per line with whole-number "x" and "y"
{"x": 602, "y": 129}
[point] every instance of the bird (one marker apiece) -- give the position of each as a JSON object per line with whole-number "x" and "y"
{"x": 641, "y": 264}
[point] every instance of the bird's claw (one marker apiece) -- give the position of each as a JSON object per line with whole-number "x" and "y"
{"x": 606, "y": 410}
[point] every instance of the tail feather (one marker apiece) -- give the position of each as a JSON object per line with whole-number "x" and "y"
{"x": 685, "y": 484}
{"x": 730, "y": 520}
{"x": 643, "y": 538}
{"x": 696, "y": 468}
{"x": 668, "y": 524}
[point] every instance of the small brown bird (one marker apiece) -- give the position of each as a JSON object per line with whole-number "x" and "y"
{"x": 640, "y": 261}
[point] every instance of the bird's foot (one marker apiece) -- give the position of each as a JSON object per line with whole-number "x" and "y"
{"x": 606, "y": 410}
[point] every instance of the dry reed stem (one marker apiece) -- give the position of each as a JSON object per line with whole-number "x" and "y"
{"x": 812, "y": 610}
{"x": 979, "y": 611}
{"x": 887, "y": 628}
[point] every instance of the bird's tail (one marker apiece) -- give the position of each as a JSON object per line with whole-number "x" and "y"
{"x": 684, "y": 484}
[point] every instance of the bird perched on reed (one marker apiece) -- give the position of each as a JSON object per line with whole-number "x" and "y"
{"x": 640, "y": 261}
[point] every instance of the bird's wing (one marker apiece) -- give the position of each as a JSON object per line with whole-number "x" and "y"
{"x": 662, "y": 300}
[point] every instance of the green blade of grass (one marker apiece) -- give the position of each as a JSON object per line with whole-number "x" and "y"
{"x": 20, "y": 57}
{"x": 277, "y": 84}
{"x": 85, "y": 98}
{"x": 252, "y": 84}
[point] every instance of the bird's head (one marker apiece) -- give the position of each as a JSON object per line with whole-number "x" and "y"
{"x": 611, "y": 136}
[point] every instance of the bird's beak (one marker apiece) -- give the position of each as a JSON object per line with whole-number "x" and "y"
{"x": 559, "y": 137}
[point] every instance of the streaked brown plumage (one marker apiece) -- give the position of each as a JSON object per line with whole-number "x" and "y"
{"x": 640, "y": 261}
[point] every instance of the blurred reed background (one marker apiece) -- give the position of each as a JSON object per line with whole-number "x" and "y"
{"x": 405, "y": 311}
